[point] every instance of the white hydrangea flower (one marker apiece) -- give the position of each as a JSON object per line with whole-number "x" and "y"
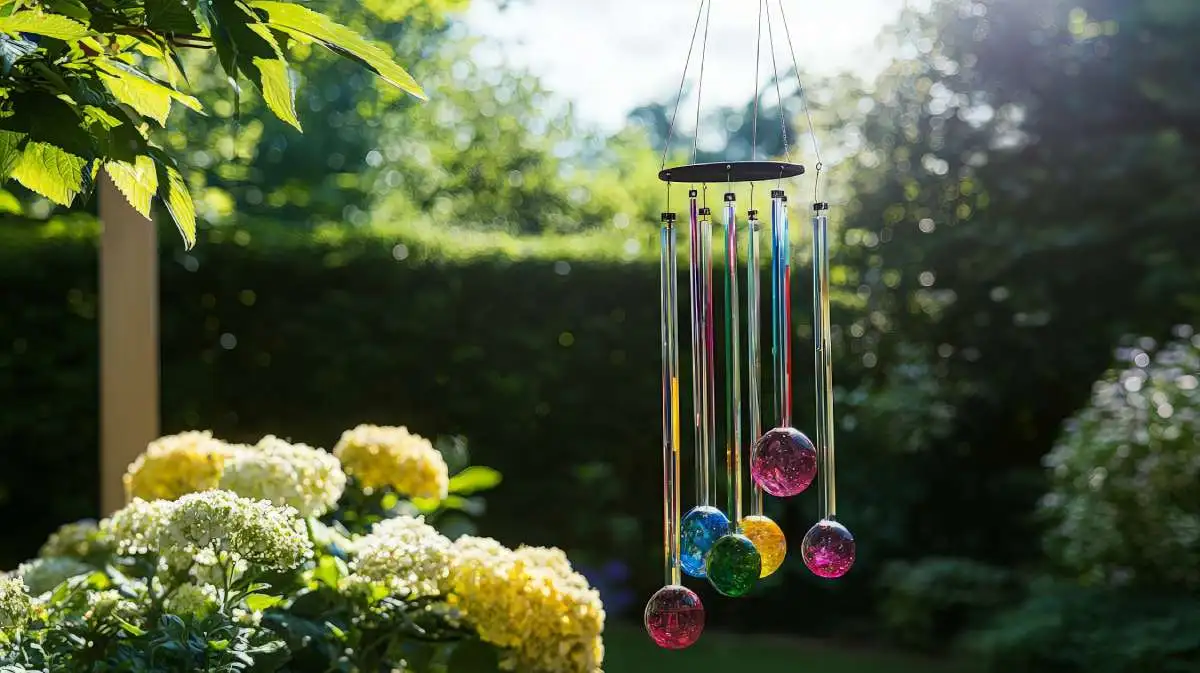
{"x": 310, "y": 480}
{"x": 253, "y": 530}
{"x": 44, "y": 574}
{"x": 15, "y": 604}
{"x": 408, "y": 555}
{"x": 136, "y": 528}
{"x": 192, "y": 600}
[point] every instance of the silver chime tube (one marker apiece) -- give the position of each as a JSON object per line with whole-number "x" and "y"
{"x": 699, "y": 351}
{"x": 823, "y": 359}
{"x": 669, "y": 295}
{"x": 709, "y": 357}
{"x": 733, "y": 368}
{"x": 754, "y": 347}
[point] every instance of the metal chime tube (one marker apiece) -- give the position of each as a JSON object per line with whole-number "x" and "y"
{"x": 669, "y": 296}
{"x": 781, "y": 309}
{"x": 709, "y": 359}
{"x": 696, "y": 267}
{"x": 733, "y": 370}
{"x": 753, "y": 347}
{"x": 823, "y": 360}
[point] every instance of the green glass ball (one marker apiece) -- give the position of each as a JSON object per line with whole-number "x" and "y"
{"x": 733, "y": 565}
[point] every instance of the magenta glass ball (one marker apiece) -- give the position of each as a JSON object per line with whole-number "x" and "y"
{"x": 784, "y": 463}
{"x": 674, "y": 617}
{"x": 828, "y": 549}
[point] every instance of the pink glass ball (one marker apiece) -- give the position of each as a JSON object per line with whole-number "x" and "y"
{"x": 674, "y": 617}
{"x": 784, "y": 463}
{"x": 828, "y": 549}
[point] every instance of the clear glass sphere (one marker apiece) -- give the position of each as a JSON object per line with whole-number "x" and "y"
{"x": 828, "y": 549}
{"x": 768, "y": 539}
{"x": 784, "y": 463}
{"x": 733, "y": 565}
{"x": 699, "y": 531}
{"x": 674, "y": 617}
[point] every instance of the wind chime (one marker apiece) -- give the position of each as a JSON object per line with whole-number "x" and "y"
{"x": 731, "y": 548}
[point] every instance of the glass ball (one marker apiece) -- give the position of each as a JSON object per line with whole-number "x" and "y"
{"x": 733, "y": 565}
{"x": 828, "y": 549}
{"x": 700, "y": 529}
{"x": 674, "y": 617}
{"x": 768, "y": 539}
{"x": 784, "y": 463}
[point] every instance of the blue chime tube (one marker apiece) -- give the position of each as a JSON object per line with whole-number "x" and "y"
{"x": 669, "y": 297}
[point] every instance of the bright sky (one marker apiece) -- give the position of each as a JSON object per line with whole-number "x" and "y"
{"x": 609, "y": 56}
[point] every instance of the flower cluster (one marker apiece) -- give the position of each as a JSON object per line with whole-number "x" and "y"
{"x": 405, "y": 554}
{"x": 193, "y": 600}
{"x": 531, "y": 602}
{"x": 295, "y": 475}
{"x": 176, "y": 465}
{"x": 44, "y": 574}
{"x": 392, "y": 456}
{"x": 251, "y": 530}
{"x": 137, "y": 528}
{"x": 15, "y": 604}
{"x": 76, "y": 540}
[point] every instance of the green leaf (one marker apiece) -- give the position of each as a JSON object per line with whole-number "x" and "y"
{"x": 275, "y": 83}
{"x": 72, "y": 8}
{"x": 14, "y": 49}
{"x": 51, "y": 171}
{"x": 150, "y": 97}
{"x": 174, "y": 194}
{"x": 170, "y": 16}
{"x": 259, "y": 602}
{"x": 474, "y": 479}
{"x": 138, "y": 181}
{"x": 10, "y": 151}
{"x": 39, "y": 23}
{"x": 10, "y": 204}
{"x": 131, "y": 629}
{"x": 257, "y": 55}
{"x": 294, "y": 18}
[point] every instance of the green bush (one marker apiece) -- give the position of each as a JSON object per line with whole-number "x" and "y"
{"x": 1124, "y": 503}
{"x": 1066, "y": 628}
{"x": 927, "y": 603}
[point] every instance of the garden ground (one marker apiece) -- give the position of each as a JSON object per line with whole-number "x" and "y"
{"x": 627, "y": 650}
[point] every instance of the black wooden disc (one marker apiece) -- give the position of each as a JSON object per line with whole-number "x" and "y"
{"x": 731, "y": 171}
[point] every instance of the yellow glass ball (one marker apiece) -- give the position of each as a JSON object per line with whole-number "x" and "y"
{"x": 768, "y": 539}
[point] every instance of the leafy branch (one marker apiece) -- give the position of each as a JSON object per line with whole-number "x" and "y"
{"x": 77, "y": 93}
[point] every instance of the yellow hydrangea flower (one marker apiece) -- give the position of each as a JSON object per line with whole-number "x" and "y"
{"x": 379, "y": 456}
{"x": 530, "y": 602}
{"x": 176, "y": 465}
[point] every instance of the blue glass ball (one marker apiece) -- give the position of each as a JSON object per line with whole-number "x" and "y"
{"x": 700, "y": 530}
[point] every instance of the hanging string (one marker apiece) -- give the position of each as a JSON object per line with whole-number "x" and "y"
{"x": 812, "y": 129}
{"x": 700, "y": 84}
{"x": 757, "y": 62}
{"x": 787, "y": 152}
{"x": 682, "y": 82}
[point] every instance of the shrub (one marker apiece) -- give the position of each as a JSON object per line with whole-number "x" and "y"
{"x": 1123, "y": 503}
{"x": 927, "y": 603}
{"x": 230, "y": 580}
{"x": 1066, "y": 628}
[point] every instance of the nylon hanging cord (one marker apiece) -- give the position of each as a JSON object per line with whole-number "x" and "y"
{"x": 682, "y": 82}
{"x": 700, "y": 84}
{"x": 812, "y": 130}
{"x": 787, "y": 152}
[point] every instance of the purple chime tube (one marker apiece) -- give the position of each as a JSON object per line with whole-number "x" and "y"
{"x": 674, "y": 615}
{"x": 828, "y": 548}
{"x": 704, "y": 524}
{"x": 784, "y": 461}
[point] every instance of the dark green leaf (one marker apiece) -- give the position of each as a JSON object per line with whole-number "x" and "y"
{"x": 170, "y": 16}
{"x": 11, "y": 143}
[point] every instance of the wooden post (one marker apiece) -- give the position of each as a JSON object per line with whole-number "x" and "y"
{"x": 129, "y": 353}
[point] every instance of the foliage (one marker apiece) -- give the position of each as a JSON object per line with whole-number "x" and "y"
{"x": 927, "y": 603}
{"x": 1066, "y": 628}
{"x": 1123, "y": 501}
{"x": 239, "y": 580}
{"x": 86, "y": 85}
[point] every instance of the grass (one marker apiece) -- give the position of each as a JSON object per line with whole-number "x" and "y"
{"x": 629, "y": 650}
